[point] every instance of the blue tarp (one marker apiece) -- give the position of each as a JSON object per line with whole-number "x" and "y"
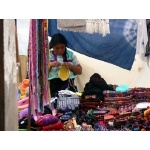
{"x": 117, "y": 48}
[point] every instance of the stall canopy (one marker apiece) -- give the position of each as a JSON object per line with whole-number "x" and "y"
{"x": 117, "y": 48}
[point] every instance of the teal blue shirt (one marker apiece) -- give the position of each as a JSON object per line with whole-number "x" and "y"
{"x": 72, "y": 59}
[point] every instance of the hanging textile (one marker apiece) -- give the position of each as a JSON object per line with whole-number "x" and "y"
{"x": 33, "y": 94}
{"x": 37, "y": 65}
{"x": 147, "y": 53}
{"x": 98, "y": 26}
{"x": 142, "y": 40}
{"x": 43, "y": 61}
{"x": 71, "y": 24}
{"x": 85, "y": 25}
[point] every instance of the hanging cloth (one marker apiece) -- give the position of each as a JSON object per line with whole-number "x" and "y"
{"x": 147, "y": 53}
{"x": 37, "y": 65}
{"x": 90, "y": 26}
{"x": 71, "y": 24}
{"x": 42, "y": 63}
{"x": 142, "y": 40}
{"x": 33, "y": 92}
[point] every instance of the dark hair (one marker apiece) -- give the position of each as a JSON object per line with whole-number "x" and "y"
{"x": 56, "y": 39}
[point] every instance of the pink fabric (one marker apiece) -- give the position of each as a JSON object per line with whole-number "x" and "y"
{"x": 23, "y": 101}
{"x": 23, "y": 107}
{"x": 32, "y": 67}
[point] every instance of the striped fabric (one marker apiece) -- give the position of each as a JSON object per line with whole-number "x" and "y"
{"x": 37, "y": 65}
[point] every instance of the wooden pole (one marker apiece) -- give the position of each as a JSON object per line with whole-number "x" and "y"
{"x": 29, "y": 112}
{"x": 2, "y": 94}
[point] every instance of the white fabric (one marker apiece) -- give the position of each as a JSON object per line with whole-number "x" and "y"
{"x": 142, "y": 40}
{"x": 142, "y": 105}
{"x": 98, "y": 26}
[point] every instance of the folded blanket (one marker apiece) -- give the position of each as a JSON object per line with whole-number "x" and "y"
{"x": 72, "y": 24}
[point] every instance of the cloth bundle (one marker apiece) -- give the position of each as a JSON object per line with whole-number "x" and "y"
{"x": 47, "y": 120}
{"x": 71, "y": 24}
{"x": 96, "y": 86}
{"x": 141, "y": 93}
{"x": 86, "y": 105}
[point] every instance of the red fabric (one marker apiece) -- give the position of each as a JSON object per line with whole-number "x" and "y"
{"x": 57, "y": 126}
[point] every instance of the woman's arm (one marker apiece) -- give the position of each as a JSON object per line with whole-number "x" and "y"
{"x": 76, "y": 69}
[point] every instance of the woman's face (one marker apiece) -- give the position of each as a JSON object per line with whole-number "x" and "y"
{"x": 59, "y": 49}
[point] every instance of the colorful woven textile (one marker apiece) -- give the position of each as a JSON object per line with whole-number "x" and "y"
{"x": 37, "y": 65}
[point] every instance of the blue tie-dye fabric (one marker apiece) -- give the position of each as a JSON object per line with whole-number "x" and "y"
{"x": 117, "y": 48}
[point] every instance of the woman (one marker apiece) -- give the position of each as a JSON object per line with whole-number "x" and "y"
{"x": 59, "y": 54}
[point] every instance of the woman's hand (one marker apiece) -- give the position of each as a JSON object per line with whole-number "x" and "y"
{"x": 76, "y": 69}
{"x": 68, "y": 65}
{"x": 55, "y": 64}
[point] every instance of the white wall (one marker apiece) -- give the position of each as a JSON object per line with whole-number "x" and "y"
{"x": 23, "y": 35}
{"x": 137, "y": 76}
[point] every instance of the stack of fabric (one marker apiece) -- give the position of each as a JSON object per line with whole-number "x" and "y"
{"x": 96, "y": 86}
{"x": 92, "y": 96}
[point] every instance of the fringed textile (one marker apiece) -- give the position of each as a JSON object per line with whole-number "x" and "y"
{"x": 90, "y": 26}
